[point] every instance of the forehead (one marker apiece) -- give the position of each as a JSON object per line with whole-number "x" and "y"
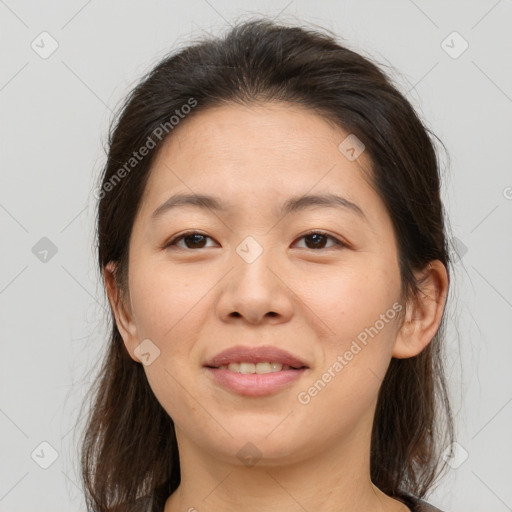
{"x": 262, "y": 153}
{"x": 269, "y": 128}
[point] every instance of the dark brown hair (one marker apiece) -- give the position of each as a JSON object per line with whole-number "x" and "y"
{"x": 129, "y": 448}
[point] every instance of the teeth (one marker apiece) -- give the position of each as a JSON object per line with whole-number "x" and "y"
{"x": 247, "y": 368}
{"x": 258, "y": 368}
{"x": 263, "y": 368}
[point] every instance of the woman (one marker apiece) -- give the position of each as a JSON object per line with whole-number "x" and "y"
{"x": 273, "y": 248}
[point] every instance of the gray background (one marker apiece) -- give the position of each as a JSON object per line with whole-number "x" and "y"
{"x": 55, "y": 112}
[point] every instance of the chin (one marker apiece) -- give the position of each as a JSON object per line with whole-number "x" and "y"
{"x": 252, "y": 446}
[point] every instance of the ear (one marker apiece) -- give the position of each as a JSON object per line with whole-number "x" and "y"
{"x": 424, "y": 312}
{"x": 121, "y": 307}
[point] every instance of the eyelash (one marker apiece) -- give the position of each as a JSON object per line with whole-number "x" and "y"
{"x": 337, "y": 242}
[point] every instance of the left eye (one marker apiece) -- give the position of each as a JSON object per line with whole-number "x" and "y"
{"x": 318, "y": 239}
{"x": 195, "y": 240}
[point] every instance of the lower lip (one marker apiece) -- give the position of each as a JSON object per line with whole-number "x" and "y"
{"x": 254, "y": 384}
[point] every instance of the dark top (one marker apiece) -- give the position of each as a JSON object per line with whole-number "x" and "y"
{"x": 417, "y": 505}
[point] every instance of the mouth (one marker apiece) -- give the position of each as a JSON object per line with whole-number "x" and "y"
{"x": 259, "y": 368}
{"x": 259, "y": 359}
{"x": 256, "y": 371}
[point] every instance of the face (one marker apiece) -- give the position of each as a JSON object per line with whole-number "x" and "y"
{"x": 252, "y": 273}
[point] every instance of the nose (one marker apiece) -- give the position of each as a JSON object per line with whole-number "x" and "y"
{"x": 256, "y": 292}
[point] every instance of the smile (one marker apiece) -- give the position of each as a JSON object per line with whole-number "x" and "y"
{"x": 251, "y": 383}
{"x": 259, "y": 368}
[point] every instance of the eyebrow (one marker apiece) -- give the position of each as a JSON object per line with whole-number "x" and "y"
{"x": 292, "y": 205}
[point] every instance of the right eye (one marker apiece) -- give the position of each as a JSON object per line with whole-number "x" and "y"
{"x": 192, "y": 240}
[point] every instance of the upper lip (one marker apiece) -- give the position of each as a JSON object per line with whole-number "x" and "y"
{"x": 260, "y": 354}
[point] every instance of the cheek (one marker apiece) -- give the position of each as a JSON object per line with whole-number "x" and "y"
{"x": 164, "y": 301}
{"x": 353, "y": 299}
{"x": 168, "y": 309}
{"x": 361, "y": 310}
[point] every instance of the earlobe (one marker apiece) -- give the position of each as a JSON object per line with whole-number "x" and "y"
{"x": 121, "y": 310}
{"x": 424, "y": 312}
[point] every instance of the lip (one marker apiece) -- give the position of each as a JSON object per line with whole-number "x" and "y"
{"x": 260, "y": 354}
{"x": 254, "y": 384}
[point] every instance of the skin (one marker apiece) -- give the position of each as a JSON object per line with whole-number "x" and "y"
{"x": 194, "y": 302}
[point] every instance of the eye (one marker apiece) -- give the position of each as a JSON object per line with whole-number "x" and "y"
{"x": 192, "y": 240}
{"x": 318, "y": 238}
{"x": 196, "y": 240}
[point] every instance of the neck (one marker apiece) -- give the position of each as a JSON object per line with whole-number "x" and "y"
{"x": 335, "y": 480}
